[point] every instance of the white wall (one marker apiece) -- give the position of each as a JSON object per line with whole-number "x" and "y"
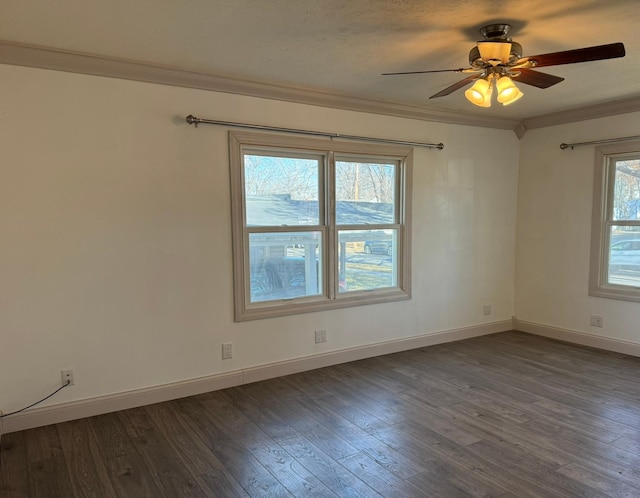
{"x": 554, "y": 230}
{"x": 115, "y": 257}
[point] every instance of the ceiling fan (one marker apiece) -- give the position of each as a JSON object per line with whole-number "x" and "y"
{"x": 497, "y": 60}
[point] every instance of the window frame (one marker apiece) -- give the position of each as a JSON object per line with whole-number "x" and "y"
{"x": 603, "y": 220}
{"x": 329, "y": 297}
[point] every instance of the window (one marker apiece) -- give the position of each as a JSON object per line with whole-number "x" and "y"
{"x": 317, "y": 224}
{"x": 615, "y": 244}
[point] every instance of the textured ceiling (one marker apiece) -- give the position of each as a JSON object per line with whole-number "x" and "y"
{"x": 341, "y": 47}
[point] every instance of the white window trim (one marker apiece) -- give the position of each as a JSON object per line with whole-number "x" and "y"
{"x": 242, "y": 310}
{"x": 600, "y": 234}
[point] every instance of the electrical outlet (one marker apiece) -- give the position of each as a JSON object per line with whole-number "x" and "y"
{"x": 67, "y": 376}
{"x": 227, "y": 350}
{"x": 321, "y": 336}
{"x": 597, "y": 321}
{"x": 486, "y": 310}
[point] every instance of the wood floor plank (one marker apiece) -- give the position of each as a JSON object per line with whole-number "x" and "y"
{"x": 293, "y": 476}
{"x": 241, "y": 464}
{"x": 49, "y": 478}
{"x": 14, "y": 478}
{"x": 493, "y": 427}
{"x": 131, "y": 477}
{"x": 505, "y": 415}
{"x": 354, "y": 414}
{"x": 419, "y": 414}
{"x": 456, "y": 481}
{"x": 250, "y": 400}
{"x": 567, "y": 357}
{"x": 482, "y": 357}
{"x": 434, "y": 451}
{"x": 367, "y": 395}
{"x": 129, "y": 473}
{"x": 607, "y": 458}
{"x": 166, "y": 466}
{"x": 597, "y": 482}
{"x": 584, "y": 422}
{"x": 167, "y": 469}
{"x": 42, "y": 443}
{"x": 296, "y": 411}
{"x": 629, "y": 442}
{"x": 436, "y": 484}
{"x": 450, "y": 374}
{"x": 111, "y": 435}
{"x": 322, "y": 411}
{"x": 379, "y": 477}
{"x": 530, "y": 469}
{"x": 47, "y": 469}
{"x": 87, "y": 471}
{"x": 553, "y": 442}
{"x": 218, "y": 483}
{"x": 202, "y": 464}
{"x": 330, "y": 472}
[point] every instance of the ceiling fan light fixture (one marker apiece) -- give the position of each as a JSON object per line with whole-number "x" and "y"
{"x": 495, "y": 51}
{"x": 516, "y": 96}
{"x": 480, "y": 93}
{"x": 508, "y": 92}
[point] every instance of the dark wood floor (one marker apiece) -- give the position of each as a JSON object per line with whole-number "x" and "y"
{"x": 506, "y": 415}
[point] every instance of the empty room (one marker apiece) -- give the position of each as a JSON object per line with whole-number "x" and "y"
{"x": 319, "y": 248}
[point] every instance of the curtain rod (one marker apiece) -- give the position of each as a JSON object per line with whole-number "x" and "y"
{"x": 191, "y": 119}
{"x": 606, "y": 141}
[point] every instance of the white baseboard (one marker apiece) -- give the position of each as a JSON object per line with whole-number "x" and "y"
{"x": 279, "y": 369}
{"x": 98, "y": 405}
{"x": 583, "y": 338}
{"x": 130, "y": 399}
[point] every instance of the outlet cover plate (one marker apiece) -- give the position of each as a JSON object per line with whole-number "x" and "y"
{"x": 597, "y": 321}
{"x": 67, "y": 375}
{"x": 227, "y": 350}
{"x": 321, "y": 336}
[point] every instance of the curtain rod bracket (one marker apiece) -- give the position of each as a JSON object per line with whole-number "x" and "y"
{"x": 191, "y": 119}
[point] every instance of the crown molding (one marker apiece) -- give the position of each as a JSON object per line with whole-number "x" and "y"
{"x": 594, "y": 111}
{"x": 19, "y": 54}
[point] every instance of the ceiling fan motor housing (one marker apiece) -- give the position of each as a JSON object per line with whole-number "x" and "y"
{"x": 492, "y": 31}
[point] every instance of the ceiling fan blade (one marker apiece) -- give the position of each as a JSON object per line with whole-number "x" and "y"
{"x": 600, "y": 52}
{"x": 456, "y": 86}
{"x": 536, "y": 78}
{"x": 459, "y": 70}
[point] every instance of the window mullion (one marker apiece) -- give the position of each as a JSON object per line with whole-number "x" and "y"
{"x": 330, "y": 223}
